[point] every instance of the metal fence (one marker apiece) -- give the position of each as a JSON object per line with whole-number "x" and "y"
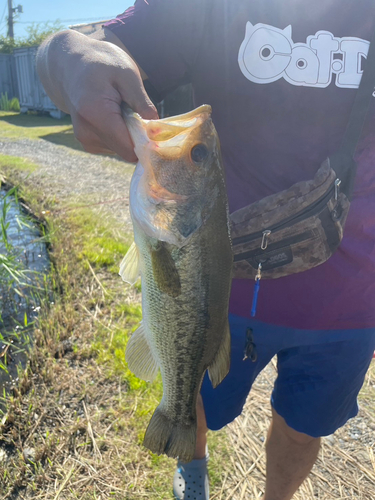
{"x": 18, "y": 77}
{"x": 8, "y": 79}
{"x": 32, "y": 95}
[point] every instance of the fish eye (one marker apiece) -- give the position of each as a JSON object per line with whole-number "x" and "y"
{"x": 199, "y": 153}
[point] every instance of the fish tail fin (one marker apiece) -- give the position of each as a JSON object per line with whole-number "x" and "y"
{"x": 174, "y": 439}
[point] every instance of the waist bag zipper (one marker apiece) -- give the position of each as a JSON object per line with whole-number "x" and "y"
{"x": 314, "y": 209}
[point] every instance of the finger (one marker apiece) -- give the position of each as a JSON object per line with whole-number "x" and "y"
{"x": 104, "y": 119}
{"x": 92, "y": 143}
{"x": 134, "y": 94}
{"x": 105, "y": 116}
{"x": 116, "y": 135}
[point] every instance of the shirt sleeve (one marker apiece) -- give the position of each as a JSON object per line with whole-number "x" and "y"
{"x": 163, "y": 37}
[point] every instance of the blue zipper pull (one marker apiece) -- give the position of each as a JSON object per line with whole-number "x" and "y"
{"x": 256, "y": 290}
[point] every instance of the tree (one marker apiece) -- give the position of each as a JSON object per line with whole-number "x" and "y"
{"x": 36, "y": 33}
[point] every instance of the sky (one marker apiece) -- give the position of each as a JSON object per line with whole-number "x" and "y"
{"x": 67, "y": 11}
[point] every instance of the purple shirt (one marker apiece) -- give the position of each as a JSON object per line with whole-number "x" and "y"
{"x": 281, "y": 78}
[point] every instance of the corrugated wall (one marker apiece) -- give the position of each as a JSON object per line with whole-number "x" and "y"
{"x": 31, "y": 92}
{"x": 7, "y": 80}
{"x": 18, "y": 78}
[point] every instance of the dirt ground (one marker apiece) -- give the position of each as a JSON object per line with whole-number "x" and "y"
{"x": 346, "y": 465}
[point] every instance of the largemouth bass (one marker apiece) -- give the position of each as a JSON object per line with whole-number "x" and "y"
{"x": 182, "y": 251}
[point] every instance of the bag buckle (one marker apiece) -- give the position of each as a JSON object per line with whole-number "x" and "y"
{"x": 336, "y": 212}
{"x": 337, "y": 188}
{"x": 266, "y": 235}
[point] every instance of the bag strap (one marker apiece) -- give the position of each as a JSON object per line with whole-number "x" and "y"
{"x": 361, "y": 104}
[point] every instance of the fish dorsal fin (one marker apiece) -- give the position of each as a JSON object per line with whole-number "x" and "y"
{"x": 129, "y": 267}
{"x": 165, "y": 271}
{"x": 139, "y": 355}
{"x": 219, "y": 368}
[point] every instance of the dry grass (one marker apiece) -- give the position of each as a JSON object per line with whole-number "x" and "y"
{"x": 75, "y": 419}
{"x": 346, "y": 465}
{"x": 73, "y": 426}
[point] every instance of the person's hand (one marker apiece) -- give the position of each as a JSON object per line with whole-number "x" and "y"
{"x": 89, "y": 79}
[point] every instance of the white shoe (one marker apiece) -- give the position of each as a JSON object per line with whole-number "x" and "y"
{"x": 190, "y": 480}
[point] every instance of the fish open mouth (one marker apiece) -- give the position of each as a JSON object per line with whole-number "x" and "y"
{"x": 170, "y": 151}
{"x": 143, "y": 131}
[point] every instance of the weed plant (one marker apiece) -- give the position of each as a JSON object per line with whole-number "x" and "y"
{"x": 9, "y": 104}
{"x": 19, "y": 293}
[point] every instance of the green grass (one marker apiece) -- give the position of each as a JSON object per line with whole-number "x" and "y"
{"x": 14, "y": 162}
{"x": 96, "y": 240}
{"x": 97, "y": 243}
{"x": 132, "y": 310}
{"x": 32, "y": 126}
{"x": 111, "y": 352}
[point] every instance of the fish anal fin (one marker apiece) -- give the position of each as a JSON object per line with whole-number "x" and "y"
{"x": 165, "y": 271}
{"x": 129, "y": 267}
{"x": 139, "y": 355}
{"x": 219, "y": 368}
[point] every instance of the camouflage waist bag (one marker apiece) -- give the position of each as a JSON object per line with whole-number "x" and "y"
{"x": 301, "y": 227}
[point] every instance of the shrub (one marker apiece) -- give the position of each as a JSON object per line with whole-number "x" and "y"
{"x": 9, "y": 105}
{"x": 36, "y": 33}
{"x": 15, "y": 105}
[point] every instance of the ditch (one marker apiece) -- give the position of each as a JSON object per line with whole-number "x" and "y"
{"x": 24, "y": 265}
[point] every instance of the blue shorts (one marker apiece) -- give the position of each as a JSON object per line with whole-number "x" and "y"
{"x": 320, "y": 374}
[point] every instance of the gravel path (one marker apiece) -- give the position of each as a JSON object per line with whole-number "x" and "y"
{"x": 346, "y": 468}
{"x": 67, "y": 174}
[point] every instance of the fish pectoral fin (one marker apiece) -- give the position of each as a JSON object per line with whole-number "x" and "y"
{"x": 165, "y": 272}
{"x": 129, "y": 267}
{"x": 219, "y": 368}
{"x": 139, "y": 355}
